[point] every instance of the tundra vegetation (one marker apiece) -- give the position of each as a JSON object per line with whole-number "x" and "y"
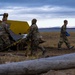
{"x": 50, "y": 45}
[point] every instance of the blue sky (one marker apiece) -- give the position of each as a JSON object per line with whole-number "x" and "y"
{"x": 49, "y": 13}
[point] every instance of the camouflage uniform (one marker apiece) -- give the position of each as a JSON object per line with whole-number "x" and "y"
{"x": 4, "y": 39}
{"x": 63, "y": 37}
{"x": 34, "y": 36}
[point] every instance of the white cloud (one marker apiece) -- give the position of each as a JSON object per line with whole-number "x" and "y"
{"x": 47, "y": 16}
{"x": 46, "y": 8}
{"x": 55, "y": 22}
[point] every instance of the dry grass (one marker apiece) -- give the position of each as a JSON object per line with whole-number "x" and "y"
{"x": 9, "y": 57}
{"x": 51, "y": 39}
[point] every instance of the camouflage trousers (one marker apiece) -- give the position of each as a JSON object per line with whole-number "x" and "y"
{"x": 63, "y": 40}
{"x": 1, "y": 44}
{"x": 35, "y": 46}
{"x": 4, "y": 41}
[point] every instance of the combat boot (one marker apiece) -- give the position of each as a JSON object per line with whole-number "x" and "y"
{"x": 71, "y": 47}
{"x": 59, "y": 48}
{"x": 44, "y": 51}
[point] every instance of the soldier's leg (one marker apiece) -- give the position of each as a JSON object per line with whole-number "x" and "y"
{"x": 42, "y": 49}
{"x": 33, "y": 50}
{"x": 33, "y": 47}
{"x": 60, "y": 43}
{"x": 27, "y": 47}
{"x": 6, "y": 39}
{"x": 67, "y": 42}
{"x": 1, "y": 44}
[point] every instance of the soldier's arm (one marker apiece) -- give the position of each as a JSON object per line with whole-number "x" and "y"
{"x": 30, "y": 33}
{"x": 64, "y": 29}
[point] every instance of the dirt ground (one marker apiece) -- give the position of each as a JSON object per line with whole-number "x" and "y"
{"x": 53, "y": 51}
{"x": 50, "y": 45}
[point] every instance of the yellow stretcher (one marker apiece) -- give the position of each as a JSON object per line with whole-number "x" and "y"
{"x": 18, "y": 27}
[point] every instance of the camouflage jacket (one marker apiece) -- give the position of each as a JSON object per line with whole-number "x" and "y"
{"x": 63, "y": 31}
{"x": 34, "y": 32}
{"x": 3, "y": 28}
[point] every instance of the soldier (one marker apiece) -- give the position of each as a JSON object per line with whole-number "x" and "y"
{"x": 34, "y": 36}
{"x": 63, "y": 37}
{"x": 4, "y": 32}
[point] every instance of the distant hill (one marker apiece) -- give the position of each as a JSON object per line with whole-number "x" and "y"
{"x": 55, "y": 29}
